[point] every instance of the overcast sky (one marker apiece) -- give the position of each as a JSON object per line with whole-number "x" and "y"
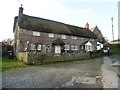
{"x": 74, "y": 12}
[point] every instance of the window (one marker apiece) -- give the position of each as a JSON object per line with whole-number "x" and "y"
{"x": 25, "y": 47}
{"x": 44, "y": 48}
{"x": 51, "y": 35}
{"x": 91, "y": 39}
{"x": 33, "y": 47}
{"x": 63, "y": 36}
{"x": 36, "y": 33}
{"x": 67, "y": 47}
{"x": 74, "y": 47}
{"x": 88, "y": 47}
{"x": 39, "y": 47}
{"x": 98, "y": 44}
{"x": 74, "y": 37}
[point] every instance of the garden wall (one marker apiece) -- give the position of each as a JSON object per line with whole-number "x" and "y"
{"x": 41, "y": 58}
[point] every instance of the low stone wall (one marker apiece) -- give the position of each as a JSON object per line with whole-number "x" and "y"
{"x": 23, "y": 56}
{"x": 40, "y": 58}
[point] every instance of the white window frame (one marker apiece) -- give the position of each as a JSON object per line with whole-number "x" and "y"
{"x": 25, "y": 48}
{"x": 33, "y": 46}
{"x": 74, "y": 47}
{"x": 74, "y": 37}
{"x": 44, "y": 47}
{"x": 63, "y": 36}
{"x": 88, "y": 47}
{"x": 67, "y": 47}
{"x": 39, "y": 47}
{"x": 35, "y": 33}
{"x": 51, "y": 35}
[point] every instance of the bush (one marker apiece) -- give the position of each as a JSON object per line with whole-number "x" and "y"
{"x": 115, "y": 49}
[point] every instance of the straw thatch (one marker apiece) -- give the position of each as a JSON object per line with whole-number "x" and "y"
{"x": 49, "y": 26}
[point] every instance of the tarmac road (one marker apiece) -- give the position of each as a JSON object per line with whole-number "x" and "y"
{"x": 110, "y": 73}
{"x": 77, "y": 74}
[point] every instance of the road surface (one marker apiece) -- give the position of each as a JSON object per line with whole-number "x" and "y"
{"x": 76, "y": 74}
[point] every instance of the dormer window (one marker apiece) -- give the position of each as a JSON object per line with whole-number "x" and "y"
{"x": 74, "y": 37}
{"x": 64, "y": 37}
{"x": 35, "y": 33}
{"x": 51, "y": 35}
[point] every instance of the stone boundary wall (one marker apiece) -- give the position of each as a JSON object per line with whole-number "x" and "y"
{"x": 41, "y": 58}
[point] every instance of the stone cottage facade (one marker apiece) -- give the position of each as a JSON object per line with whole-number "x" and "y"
{"x": 47, "y": 36}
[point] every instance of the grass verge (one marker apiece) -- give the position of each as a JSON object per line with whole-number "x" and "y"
{"x": 116, "y": 50}
{"x": 10, "y": 63}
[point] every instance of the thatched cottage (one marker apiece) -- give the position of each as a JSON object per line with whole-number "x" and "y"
{"x": 48, "y": 36}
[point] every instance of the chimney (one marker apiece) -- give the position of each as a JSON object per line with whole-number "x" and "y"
{"x": 87, "y": 25}
{"x": 20, "y": 13}
{"x": 20, "y": 10}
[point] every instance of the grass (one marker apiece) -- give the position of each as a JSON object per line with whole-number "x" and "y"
{"x": 115, "y": 50}
{"x": 10, "y": 63}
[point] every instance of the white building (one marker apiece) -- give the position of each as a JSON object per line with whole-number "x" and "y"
{"x": 99, "y": 46}
{"x": 89, "y": 46}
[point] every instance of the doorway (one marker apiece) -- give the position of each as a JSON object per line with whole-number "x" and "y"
{"x": 57, "y": 49}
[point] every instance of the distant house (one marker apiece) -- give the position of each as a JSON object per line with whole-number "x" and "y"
{"x": 96, "y": 31}
{"x": 47, "y": 36}
{"x": 100, "y": 39}
{"x": 115, "y": 41}
{"x": 93, "y": 44}
{"x": 90, "y": 45}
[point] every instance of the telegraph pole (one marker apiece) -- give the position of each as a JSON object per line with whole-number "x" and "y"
{"x": 112, "y": 30}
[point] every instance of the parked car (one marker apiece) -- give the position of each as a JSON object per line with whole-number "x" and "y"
{"x": 106, "y": 51}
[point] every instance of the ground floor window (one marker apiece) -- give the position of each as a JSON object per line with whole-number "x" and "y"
{"x": 25, "y": 47}
{"x": 88, "y": 47}
{"x": 74, "y": 47}
{"x": 33, "y": 47}
{"x": 39, "y": 47}
{"x": 67, "y": 47}
{"x": 57, "y": 49}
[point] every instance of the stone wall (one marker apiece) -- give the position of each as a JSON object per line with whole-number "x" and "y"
{"x": 41, "y": 58}
{"x": 38, "y": 58}
{"x": 23, "y": 57}
{"x": 26, "y": 35}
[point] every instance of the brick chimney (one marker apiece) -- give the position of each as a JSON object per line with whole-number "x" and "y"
{"x": 20, "y": 14}
{"x": 87, "y": 25}
{"x": 20, "y": 10}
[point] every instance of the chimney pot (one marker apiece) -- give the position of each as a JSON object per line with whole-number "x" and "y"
{"x": 87, "y": 25}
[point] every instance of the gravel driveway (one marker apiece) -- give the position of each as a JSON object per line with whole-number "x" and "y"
{"x": 77, "y": 74}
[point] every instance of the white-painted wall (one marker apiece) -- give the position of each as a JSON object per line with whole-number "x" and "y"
{"x": 99, "y": 45}
{"x": 88, "y": 47}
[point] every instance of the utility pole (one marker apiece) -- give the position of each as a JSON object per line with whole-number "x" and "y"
{"x": 119, "y": 20}
{"x": 112, "y": 30}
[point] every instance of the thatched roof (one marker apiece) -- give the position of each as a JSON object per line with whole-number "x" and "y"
{"x": 49, "y": 26}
